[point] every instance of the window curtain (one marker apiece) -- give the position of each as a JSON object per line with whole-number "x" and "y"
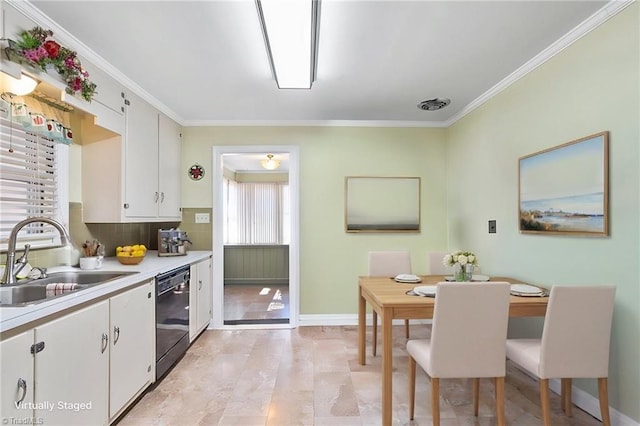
{"x": 257, "y": 212}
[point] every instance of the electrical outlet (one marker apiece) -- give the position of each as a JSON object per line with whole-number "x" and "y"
{"x": 202, "y": 217}
{"x": 492, "y": 226}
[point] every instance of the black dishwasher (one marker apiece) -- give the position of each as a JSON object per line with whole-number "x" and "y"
{"x": 172, "y": 318}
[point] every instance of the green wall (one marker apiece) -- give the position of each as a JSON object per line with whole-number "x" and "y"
{"x": 470, "y": 175}
{"x": 330, "y": 259}
{"x": 590, "y": 87}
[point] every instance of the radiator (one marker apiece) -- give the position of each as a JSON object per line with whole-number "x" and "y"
{"x": 261, "y": 264}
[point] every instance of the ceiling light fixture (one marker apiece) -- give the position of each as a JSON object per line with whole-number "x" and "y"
{"x": 16, "y": 86}
{"x": 290, "y": 30}
{"x": 270, "y": 163}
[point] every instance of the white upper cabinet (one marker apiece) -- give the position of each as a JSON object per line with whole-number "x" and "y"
{"x": 135, "y": 177}
{"x": 141, "y": 159}
{"x": 169, "y": 161}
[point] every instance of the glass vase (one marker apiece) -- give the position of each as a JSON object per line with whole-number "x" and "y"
{"x": 458, "y": 272}
{"x": 463, "y": 273}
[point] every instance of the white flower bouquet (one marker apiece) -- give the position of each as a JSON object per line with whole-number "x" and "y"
{"x": 463, "y": 263}
{"x": 461, "y": 257}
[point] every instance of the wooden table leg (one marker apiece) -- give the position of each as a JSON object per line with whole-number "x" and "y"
{"x": 362, "y": 328}
{"x": 387, "y": 366}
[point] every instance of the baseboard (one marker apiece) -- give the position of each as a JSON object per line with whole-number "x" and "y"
{"x": 580, "y": 398}
{"x": 591, "y": 405}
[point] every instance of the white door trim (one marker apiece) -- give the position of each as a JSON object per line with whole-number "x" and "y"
{"x": 218, "y": 231}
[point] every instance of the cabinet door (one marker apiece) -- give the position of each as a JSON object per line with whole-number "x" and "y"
{"x": 72, "y": 370}
{"x": 141, "y": 159}
{"x": 16, "y": 383}
{"x": 204, "y": 294}
{"x": 169, "y": 160}
{"x": 132, "y": 352}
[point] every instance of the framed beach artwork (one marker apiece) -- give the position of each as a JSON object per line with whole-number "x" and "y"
{"x": 382, "y": 204}
{"x": 565, "y": 190}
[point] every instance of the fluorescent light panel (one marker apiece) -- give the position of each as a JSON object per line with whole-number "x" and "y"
{"x": 289, "y": 28}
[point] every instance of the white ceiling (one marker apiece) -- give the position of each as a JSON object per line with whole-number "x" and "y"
{"x": 252, "y": 162}
{"x": 204, "y": 62}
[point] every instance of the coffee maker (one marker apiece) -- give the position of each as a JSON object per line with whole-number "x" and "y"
{"x": 172, "y": 242}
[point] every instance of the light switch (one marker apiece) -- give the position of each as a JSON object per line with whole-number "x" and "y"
{"x": 492, "y": 226}
{"x": 202, "y": 217}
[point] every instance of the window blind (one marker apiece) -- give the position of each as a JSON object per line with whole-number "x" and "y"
{"x": 29, "y": 173}
{"x": 256, "y": 213}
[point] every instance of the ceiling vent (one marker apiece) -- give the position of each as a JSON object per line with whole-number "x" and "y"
{"x": 434, "y": 104}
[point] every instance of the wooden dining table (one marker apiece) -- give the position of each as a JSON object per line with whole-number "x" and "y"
{"x": 391, "y": 301}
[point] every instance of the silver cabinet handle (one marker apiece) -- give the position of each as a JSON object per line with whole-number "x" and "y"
{"x": 105, "y": 342}
{"x": 22, "y": 384}
{"x": 155, "y": 197}
{"x": 116, "y": 335}
{"x": 162, "y": 197}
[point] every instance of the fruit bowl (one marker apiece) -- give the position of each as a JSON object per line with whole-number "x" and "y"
{"x": 130, "y": 260}
{"x": 131, "y": 255}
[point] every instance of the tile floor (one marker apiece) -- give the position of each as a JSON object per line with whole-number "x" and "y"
{"x": 311, "y": 376}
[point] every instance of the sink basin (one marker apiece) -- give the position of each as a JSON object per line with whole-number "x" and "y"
{"x": 35, "y": 291}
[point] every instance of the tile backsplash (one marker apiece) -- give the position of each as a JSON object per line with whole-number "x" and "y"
{"x": 112, "y": 235}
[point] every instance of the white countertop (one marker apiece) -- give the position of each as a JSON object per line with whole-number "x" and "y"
{"x": 152, "y": 265}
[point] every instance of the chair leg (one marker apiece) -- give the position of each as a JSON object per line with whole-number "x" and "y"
{"x": 603, "y": 396}
{"x": 435, "y": 401}
{"x": 406, "y": 328}
{"x": 375, "y": 332}
{"x": 412, "y": 386}
{"x": 476, "y": 395}
{"x": 544, "y": 400}
{"x": 565, "y": 396}
{"x": 499, "y": 386}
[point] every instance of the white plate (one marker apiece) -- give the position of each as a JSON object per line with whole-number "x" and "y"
{"x": 407, "y": 278}
{"x": 477, "y": 277}
{"x": 526, "y": 290}
{"x": 425, "y": 290}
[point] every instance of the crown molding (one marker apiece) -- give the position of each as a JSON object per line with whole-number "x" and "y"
{"x": 65, "y": 37}
{"x": 598, "y": 18}
{"x": 312, "y": 123}
{"x": 609, "y": 10}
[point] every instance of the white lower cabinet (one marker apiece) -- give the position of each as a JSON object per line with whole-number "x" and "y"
{"x": 83, "y": 368}
{"x": 16, "y": 381}
{"x": 72, "y": 368}
{"x": 132, "y": 352}
{"x": 199, "y": 298}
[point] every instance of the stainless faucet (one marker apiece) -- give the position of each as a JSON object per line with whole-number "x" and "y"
{"x": 10, "y": 270}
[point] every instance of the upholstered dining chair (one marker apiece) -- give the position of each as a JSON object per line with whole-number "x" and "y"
{"x": 388, "y": 264}
{"x": 468, "y": 337}
{"x": 574, "y": 344}
{"x": 436, "y": 267}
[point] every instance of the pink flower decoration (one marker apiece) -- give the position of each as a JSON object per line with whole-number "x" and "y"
{"x": 77, "y": 84}
{"x": 31, "y": 54}
{"x": 43, "y": 52}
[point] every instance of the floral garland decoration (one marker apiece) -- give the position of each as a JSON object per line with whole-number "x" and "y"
{"x": 37, "y": 48}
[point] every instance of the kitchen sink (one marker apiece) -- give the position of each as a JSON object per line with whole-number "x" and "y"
{"x": 35, "y": 291}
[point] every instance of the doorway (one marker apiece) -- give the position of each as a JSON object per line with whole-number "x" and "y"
{"x": 264, "y": 293}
